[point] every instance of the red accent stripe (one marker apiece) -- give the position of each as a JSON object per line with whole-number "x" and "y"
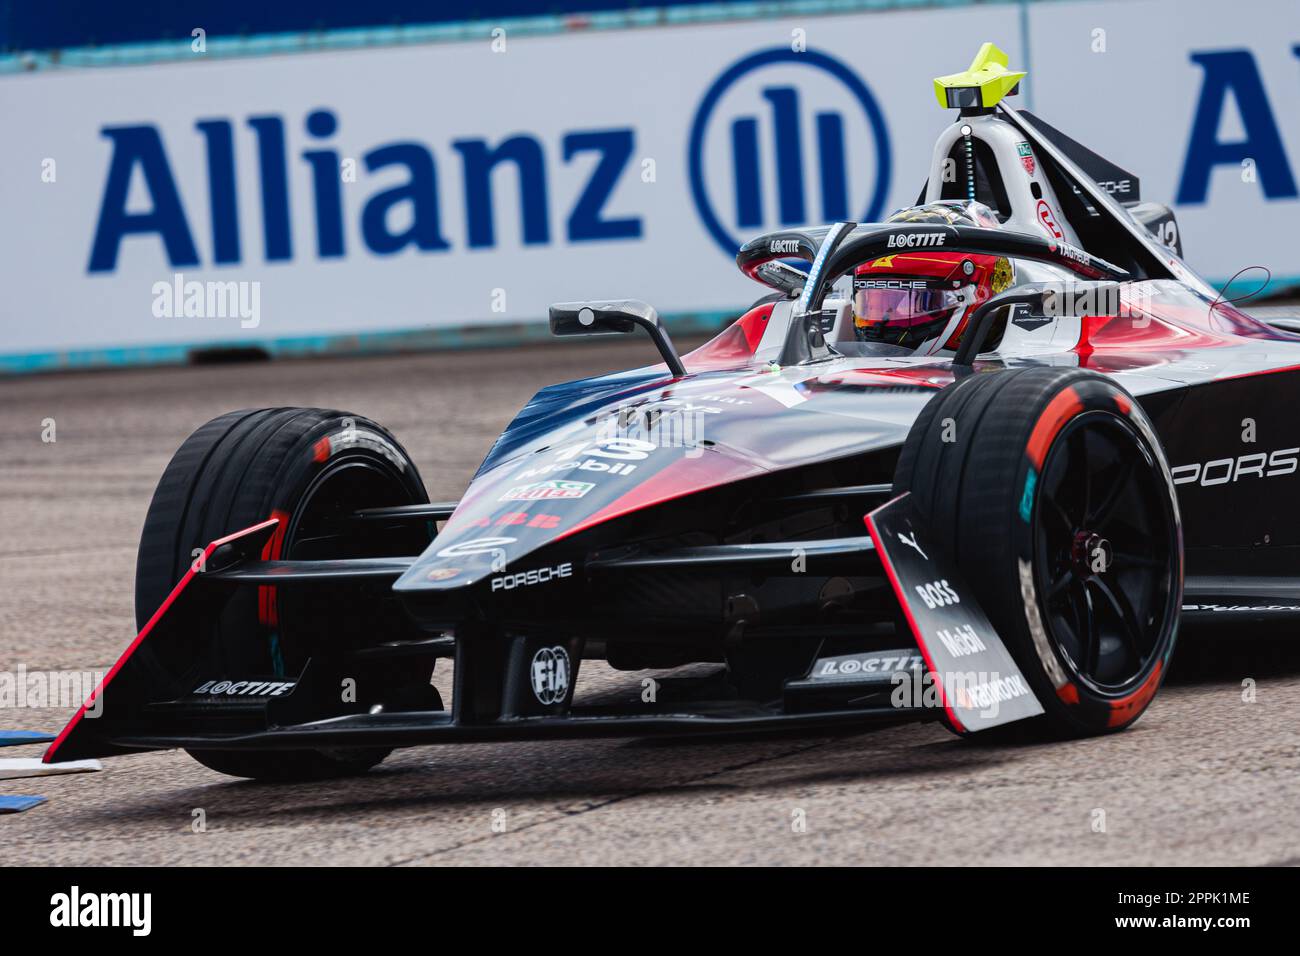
{"x": 1059, "y": 410}
{"x": 685, "y": 476}
{"x": 149, "y": 626}
{"x": 321, "y": 450}
{"x": 754, "y": 323}
{"x": 907, "y": 612}
{"x": 1263, "y": 371}
{"x": 954, "y": 340}
{"x": 267, "y": 608}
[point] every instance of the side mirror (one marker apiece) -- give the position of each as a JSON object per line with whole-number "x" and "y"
{"x": 614, "y": 318}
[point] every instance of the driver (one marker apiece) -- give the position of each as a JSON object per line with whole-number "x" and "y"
{"x": 923, "y": 300}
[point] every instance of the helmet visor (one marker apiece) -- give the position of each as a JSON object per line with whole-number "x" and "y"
{"x": 901, "y": 311}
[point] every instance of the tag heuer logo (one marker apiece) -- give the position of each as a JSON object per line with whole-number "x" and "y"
{"x": 545, "y": 490}
{"x": 1026, "y": 157}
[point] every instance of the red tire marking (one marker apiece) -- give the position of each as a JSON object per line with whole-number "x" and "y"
{"x": 1127, "y": 708}
{"x": 1059, "y": 410}
{"x": 321, "y": 450}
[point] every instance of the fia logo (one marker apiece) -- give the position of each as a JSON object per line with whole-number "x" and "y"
{"x": 550, "y": 675}
{"x": 784, "y": 138}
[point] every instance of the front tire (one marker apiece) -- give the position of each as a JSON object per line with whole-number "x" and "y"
{"x": 311, "y": 468}
{"x": 1050, "y": 491}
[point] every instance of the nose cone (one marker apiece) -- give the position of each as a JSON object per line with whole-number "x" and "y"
{"x": 585, "y": 453}
{"x": 526, "y": 504}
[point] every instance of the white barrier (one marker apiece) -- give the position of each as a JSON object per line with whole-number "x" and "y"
{"x": 291, "y": 199}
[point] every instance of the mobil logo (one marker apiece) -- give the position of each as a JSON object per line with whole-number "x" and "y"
{"x": 786, "y": 138}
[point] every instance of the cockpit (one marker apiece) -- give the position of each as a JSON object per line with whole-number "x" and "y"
{"x": 1010, "y": 204}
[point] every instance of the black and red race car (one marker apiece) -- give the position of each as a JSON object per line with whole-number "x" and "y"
{"x": 972, "y": 464}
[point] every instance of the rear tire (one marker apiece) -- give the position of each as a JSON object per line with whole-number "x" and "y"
{"x": 1050, "y": 491}
{"x": 310, "y": 468}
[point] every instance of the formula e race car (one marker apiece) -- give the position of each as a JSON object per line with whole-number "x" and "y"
{"x": 971, "y": 464}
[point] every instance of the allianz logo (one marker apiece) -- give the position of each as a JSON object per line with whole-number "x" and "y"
{"x": 588, "y": 166}
{"x": 394, "y": 197}
{"x": 747, "y": 168}
{"x": 786, "y": 138}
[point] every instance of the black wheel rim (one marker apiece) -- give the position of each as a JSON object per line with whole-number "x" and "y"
{"x": 321, "y": 528}
{"x": 1105, "y": 540}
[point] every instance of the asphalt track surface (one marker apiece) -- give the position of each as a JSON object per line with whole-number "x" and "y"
{"x": 1205, "y": 777}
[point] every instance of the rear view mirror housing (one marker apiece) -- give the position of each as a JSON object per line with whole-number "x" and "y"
{"x": 616, "y": 317}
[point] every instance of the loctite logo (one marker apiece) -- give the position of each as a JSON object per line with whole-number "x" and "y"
{"x": 886, "y": 663}
{"x": 245, "y": 688}
{"x": 916, "y": 240}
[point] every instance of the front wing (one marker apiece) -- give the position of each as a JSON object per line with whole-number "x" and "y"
{"x": 506, "y": 686}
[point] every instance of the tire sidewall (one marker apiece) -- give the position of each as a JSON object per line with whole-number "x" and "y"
{"x": 334, "y": 444}
{"x": 1087, "y": 708}
{"x": 240, "y": 482}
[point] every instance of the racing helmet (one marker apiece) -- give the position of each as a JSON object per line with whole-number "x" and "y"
{"x": 925, "y": 298}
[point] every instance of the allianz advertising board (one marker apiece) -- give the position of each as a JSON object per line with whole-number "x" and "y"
{"x": 466, "y": 184}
